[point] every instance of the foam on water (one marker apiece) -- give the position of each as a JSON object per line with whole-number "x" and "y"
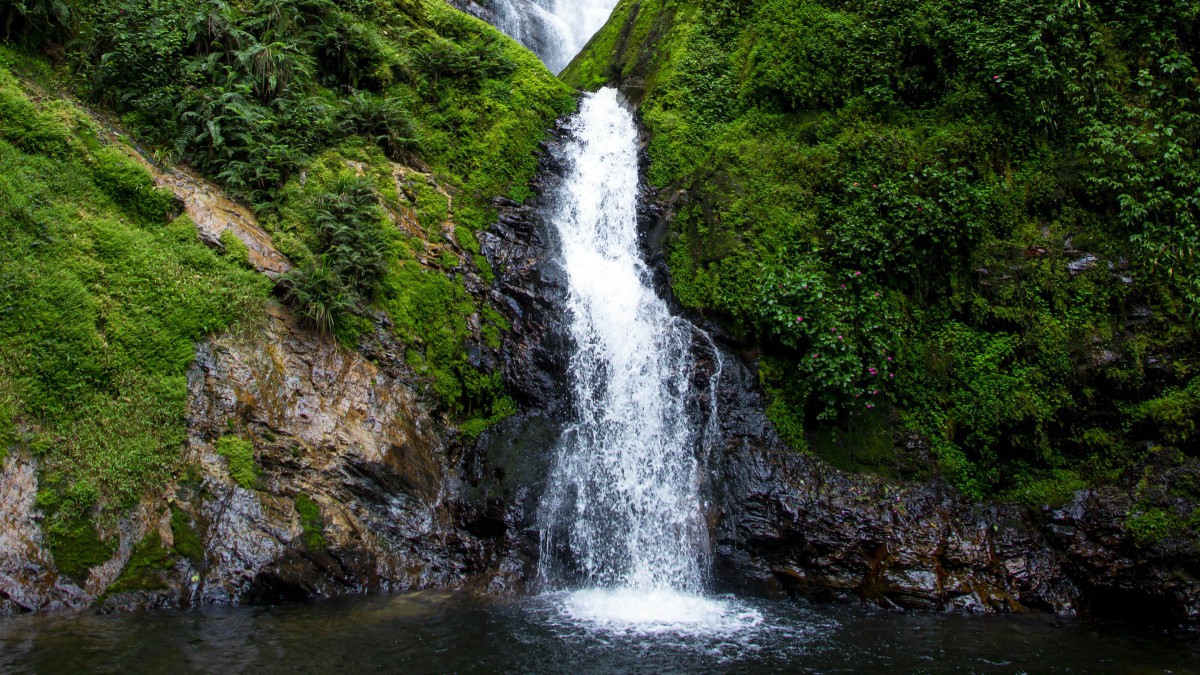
{"x": 649, "y": 612}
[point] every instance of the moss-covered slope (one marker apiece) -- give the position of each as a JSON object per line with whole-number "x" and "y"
{"x": 967, "y": 226}
{"x": 104, "y": 289}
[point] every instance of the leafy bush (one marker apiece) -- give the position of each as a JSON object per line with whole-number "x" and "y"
{"x": 382, "y": 120}
{"x": 349, "y": 252}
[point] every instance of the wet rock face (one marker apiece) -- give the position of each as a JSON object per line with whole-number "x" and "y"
{"x": 788, "y": 523}
{"x": 792, "y": 524}
{"x": 329, "y": 427}
{"x": 28, "y": 580}
{"x": 503, "y": 474}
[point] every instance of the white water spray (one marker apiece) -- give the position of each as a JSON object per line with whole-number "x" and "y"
{"x": 555, "y": 30}
{"x": 623, "y": 514}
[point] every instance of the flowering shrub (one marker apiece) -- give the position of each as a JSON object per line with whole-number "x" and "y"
{"x": 841, "y": 328}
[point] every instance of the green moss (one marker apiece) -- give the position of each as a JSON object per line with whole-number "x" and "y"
{"x": 148, "y": 564}
{"x": 131, "y": 185}
{"x": 502, "y": 407}
{"x": 1174, "y": 413}
{"x": 1055, "y": 489}
{"x": 311, "y": 522}
{"x": 239, "y": 453}
{"x": 186, "y": 540}
{"x": 71, "y": 533}
{"x": 9, "y": 433}
{"x": 1149, "y": 526}
{"x": 101, "y": 303}
{"x": 868, "y": 445}
{"x": 351, "y": 329}
{"x": 235, "y": 249}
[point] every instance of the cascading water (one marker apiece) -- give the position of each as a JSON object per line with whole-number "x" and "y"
{"x": 555, "y": 30}
{"x": 623, "y": 513}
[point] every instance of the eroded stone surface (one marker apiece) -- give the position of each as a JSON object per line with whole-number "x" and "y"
{"x": 28, "y": 579}
{"x": 328, "y": 424}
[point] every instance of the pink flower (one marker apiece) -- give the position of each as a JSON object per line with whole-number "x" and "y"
{"x": 889, "y": 358}
{"x": 799, "y": 319}
{"x": 839, "y": 337}
{"x": 857, "y": 273}
{"x": 995, "y": 77}
{"x": 814, "y": 356}
{"x": 891, "y": 374}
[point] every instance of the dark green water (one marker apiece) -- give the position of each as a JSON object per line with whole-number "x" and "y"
{"x": 439, "y": 632}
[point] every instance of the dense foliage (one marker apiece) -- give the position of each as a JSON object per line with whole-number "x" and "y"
{"x": 972, "y": 224}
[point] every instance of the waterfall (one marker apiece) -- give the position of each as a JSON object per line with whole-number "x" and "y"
{"x": 623, "y": 514}
{"x": 555, "y": 30}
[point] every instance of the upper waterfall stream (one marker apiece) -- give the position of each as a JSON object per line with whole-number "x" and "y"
{"x": 555, "y": 30}
{"x": 623, "y": 515}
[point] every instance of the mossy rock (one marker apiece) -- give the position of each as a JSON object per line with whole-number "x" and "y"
{"x": 187, "y": 540}
{"x": 312, "y": 523}
{"x": 149, "y": 564}
{"x": 239, "y": 453}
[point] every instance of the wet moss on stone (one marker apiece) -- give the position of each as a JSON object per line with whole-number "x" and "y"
{"x": 239, "y": 453}
{"x": 71, "y": 535}
{"x": 186, "y": 539}
{"x": 148, "y": 564}
{"x": 312, "y": 523}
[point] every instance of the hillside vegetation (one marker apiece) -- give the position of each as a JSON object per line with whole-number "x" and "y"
{"x": 966, "y": 227}
{"x": 337, "y": 122}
